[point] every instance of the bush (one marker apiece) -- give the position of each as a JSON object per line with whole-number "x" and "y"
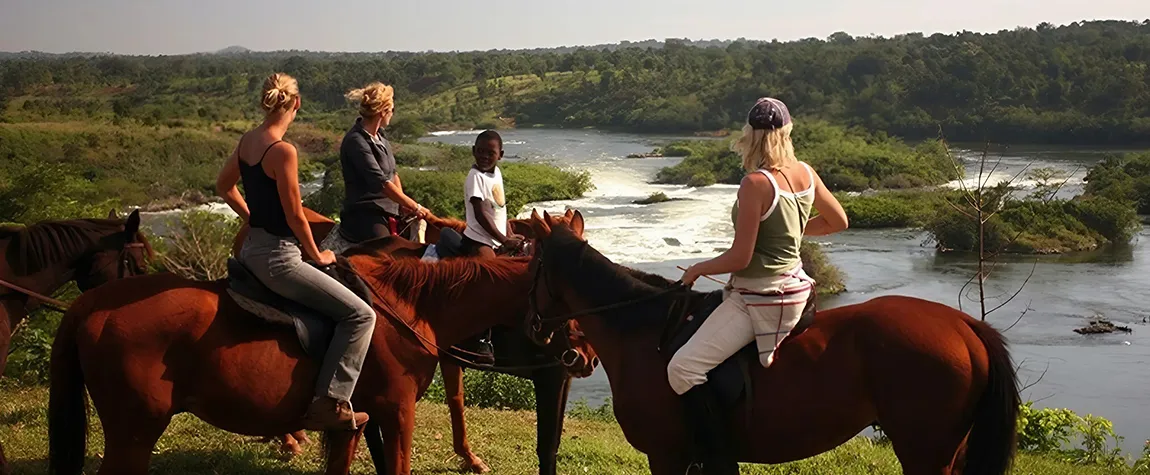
{"x": 1122, "y": 178}
{"x": 677, "y": 150}
{"x": 657, "y": 197}
{"x": 581, "y": 410}
{"x": 488, "y": 390}
{"x": 46, "y": 191}
{"x": 199, "y": 249}
{"x": 701, "y": 179}
{"x": 1052, "y": 431}
{"x": 828, "y": 278}
{"x": 31, "y": 347}
{"x": 891, "y": 209}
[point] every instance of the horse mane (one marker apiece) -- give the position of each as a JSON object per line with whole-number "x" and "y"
{"x": 412, "y": 280}
{"x": 602, "y": 282}
{"x": 36, "y": 247}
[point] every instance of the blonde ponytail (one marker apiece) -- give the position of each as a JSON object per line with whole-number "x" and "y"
{"x": 769, "y": 149}
{"x": 374, "y": 99}
{"x": 279, "y": 93}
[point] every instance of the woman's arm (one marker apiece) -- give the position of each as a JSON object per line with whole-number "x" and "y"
{"x": 363, "y": 161}
{"x": 755, "y": 191}
{"x": 226, "y": 183}
{"x": 285, "y": 167}
{"x": 832, "y": 218}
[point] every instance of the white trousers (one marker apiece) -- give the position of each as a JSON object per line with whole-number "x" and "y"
{"x": 760, "y": 310}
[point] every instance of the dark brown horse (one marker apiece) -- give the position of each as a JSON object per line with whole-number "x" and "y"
{"x": 43, "y": 257}
{"x": 517, "y": 356}
{"x": 940, "y": 383}
{"x": 149, "y": 347}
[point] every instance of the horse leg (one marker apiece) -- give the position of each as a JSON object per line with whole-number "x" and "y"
{"x": 128, "y": 447}
{"x": 453, "y": 387}
{"x": 341, "y": 450}
{"x": 373, "y": 437}
{"x": 398, "y": 424}
{"x": 551, "y": 389}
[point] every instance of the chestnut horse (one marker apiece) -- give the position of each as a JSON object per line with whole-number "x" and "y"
{"x": 43, "y": 257}
{"x": 149, "y": 347}
{"x": 551, "y": 382}
{"x": 939, "y": 382}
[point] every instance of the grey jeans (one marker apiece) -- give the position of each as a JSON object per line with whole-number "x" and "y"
{"x": 278, "y": 263}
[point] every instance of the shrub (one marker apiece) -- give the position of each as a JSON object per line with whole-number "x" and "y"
{"x": 1052, "y": 431}
{"x": 200, "y": 247}
{"x": 701, "y": 179}
{"x": 677, "y": 150}
{"x": 828, "y": 278}
{"x": 488, "y": 390}
{"x": 891, "y": 210}
{"x": 657, "y": 197}
{"x": 1122, "y": 178}
{"x": 581, "y": 410}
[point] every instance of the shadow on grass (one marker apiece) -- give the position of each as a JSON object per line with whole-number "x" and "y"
{"x": 179, "y": 462}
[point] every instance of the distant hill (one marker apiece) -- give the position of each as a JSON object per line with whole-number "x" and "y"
{"x": 232, "y": 50}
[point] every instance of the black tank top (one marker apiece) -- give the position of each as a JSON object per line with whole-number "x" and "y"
{"x": 263, "y": 198}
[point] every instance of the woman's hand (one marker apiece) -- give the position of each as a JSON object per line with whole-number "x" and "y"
{"x": 325, "y": 258}
{"x": 690, "y": 276}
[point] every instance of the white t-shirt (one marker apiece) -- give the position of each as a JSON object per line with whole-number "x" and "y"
{"x": 489, "y": 188}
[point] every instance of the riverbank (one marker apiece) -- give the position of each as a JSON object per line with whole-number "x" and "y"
{"x": 504, "y": 439}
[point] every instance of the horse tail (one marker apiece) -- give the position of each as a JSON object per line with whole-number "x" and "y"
{"x": 993, "y": 437}
{"x": 67, "y": 408}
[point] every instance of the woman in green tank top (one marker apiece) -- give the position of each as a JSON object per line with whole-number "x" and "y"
{"x": 768, "y": 288}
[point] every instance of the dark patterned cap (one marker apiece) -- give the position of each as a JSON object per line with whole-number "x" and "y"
{"x": 768, "y": 114}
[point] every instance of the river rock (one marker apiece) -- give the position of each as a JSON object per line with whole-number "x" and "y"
{"x": 1101, "y": 325}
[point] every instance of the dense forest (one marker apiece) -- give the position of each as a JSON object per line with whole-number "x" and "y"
{"x": 1080, "y": 83}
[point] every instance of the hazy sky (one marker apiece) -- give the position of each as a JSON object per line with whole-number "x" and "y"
{"x": 171, "y": 27}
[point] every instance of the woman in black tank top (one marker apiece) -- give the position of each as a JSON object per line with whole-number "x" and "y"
{"x": 280, "y": 238}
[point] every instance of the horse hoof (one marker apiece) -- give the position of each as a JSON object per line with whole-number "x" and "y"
{"x": 475, "y": 465}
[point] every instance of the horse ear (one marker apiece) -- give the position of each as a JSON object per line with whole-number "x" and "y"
{"x": 132, "y": 225}
{"x": 540, "y": 225}
{"x": 112, "y": 214}
{"x": 547, "y": 218}
{"x": 570, "y": 214}
{"x": 577, "y": 223}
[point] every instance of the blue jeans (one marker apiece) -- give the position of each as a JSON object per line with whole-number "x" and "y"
{"x": 278, "y": 263}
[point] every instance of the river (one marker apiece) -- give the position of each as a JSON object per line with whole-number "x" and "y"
{"x": 1105, "y": 375}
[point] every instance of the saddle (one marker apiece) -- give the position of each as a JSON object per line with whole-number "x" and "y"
{"x": 732, "y": 378}
{"x": 313, "y": 330}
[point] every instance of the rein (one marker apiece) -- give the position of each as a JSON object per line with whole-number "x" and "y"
{"x": 394, "y": 316}
{"x": 49, "y": 302}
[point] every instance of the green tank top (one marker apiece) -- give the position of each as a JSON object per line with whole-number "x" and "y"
{"x": 780, "y": 231}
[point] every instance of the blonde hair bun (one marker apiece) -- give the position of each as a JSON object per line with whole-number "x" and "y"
{"x": 279, "y": 93}
{"x": 374, "y": 99}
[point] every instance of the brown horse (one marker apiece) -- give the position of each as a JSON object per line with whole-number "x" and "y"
{"x": 940, "y": 383}
{"x": 551, "y": 382}
{"x": 43, "y": 257}
{"x": 150, "y": 347}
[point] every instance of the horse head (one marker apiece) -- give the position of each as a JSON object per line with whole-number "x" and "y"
{"x": 122, "y": 253}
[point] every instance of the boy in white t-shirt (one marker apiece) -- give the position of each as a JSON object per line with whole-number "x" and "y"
{"x": 486, "y": 201}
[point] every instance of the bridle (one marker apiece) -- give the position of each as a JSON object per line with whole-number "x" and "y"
{"x": 536, "y": 322}
{"x": 122, "y": 263}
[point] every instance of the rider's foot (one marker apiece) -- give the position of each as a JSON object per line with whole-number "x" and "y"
{"x": 326, "y": 414}
{"x": 477, "y": 350}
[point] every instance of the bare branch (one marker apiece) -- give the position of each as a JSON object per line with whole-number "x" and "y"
{"x": 1024, "y": 282}
{"x": 1020, "y": 315}
{"x": 1029, "y": 384}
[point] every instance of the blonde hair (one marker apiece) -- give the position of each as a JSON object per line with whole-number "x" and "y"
{"x": 374, "y": 99}
{"x": 279, "y": 93}
{"x": 765, "y": 149}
